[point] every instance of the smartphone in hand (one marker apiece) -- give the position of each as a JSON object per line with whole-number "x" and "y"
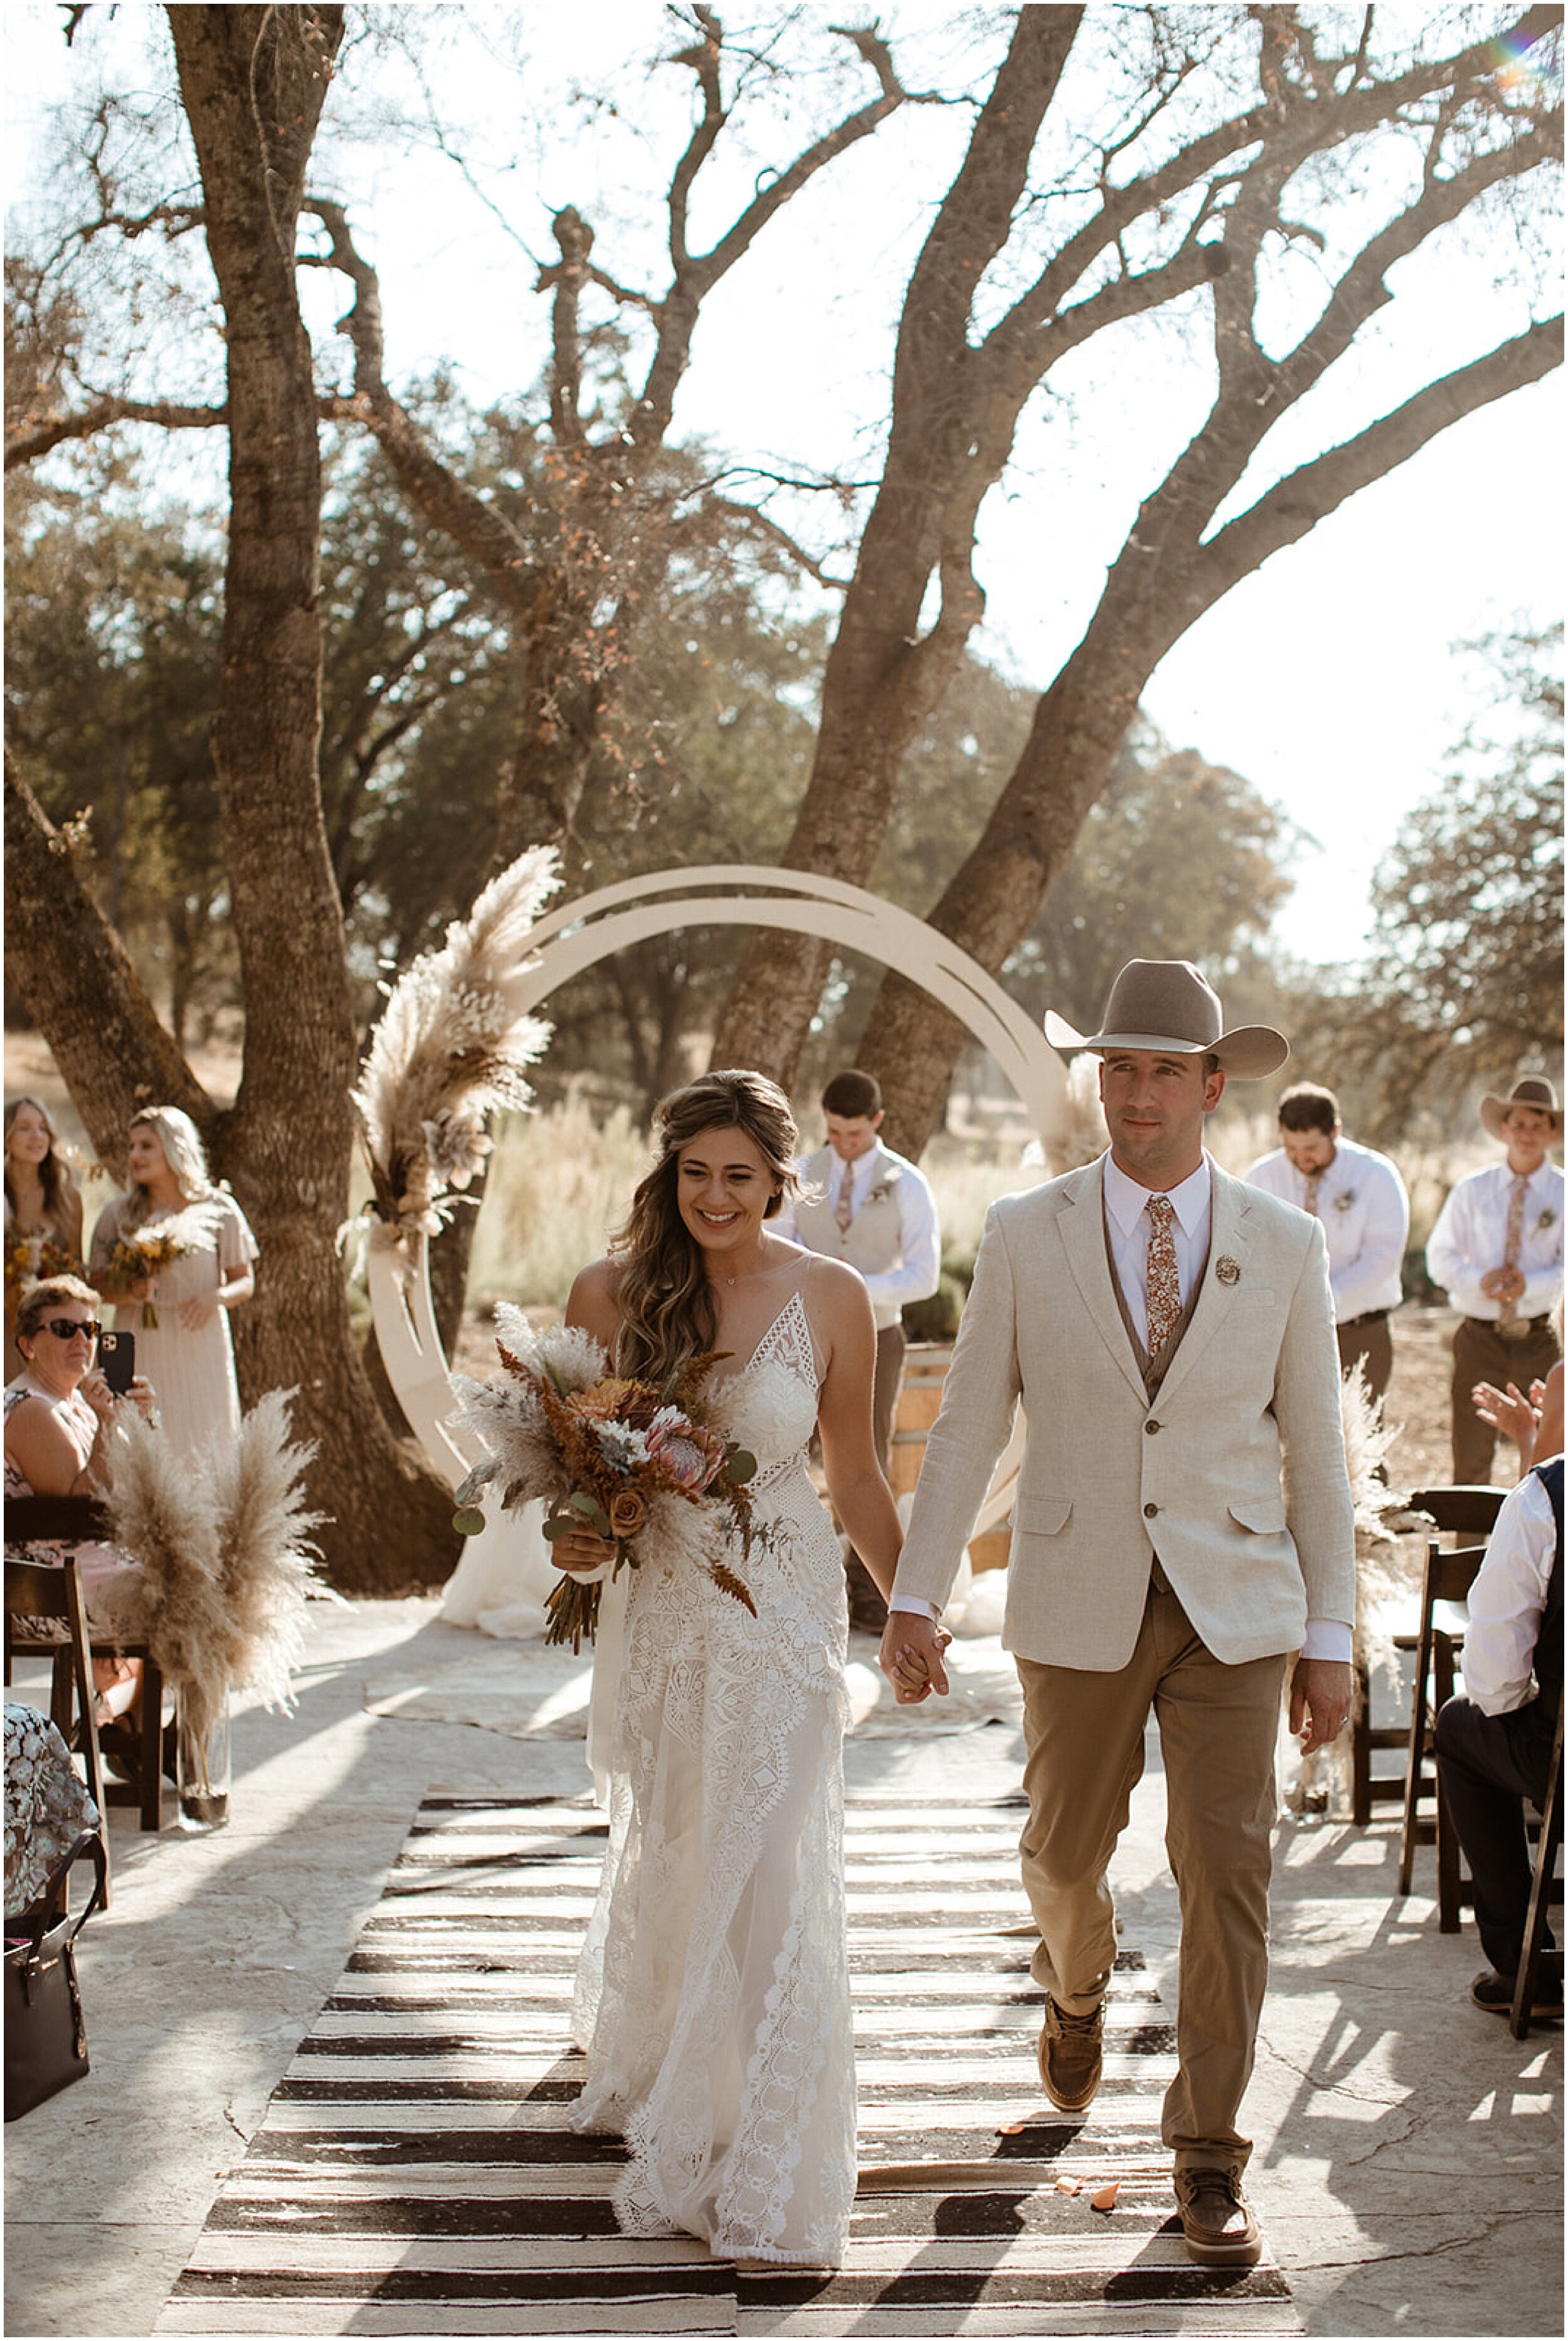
{"x": 117, "y": 1357}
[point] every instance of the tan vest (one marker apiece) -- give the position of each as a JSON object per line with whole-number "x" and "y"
{"x": 874, "y": 1241}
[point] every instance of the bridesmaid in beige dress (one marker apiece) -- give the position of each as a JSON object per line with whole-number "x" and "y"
{"x": 188, "y": 1356}
{"x": 43, "y": 1204}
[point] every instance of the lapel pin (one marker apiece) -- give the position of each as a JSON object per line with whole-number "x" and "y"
{"x": 1227, "y": 1269}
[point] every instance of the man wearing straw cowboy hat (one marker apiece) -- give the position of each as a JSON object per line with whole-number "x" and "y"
{"x": 1183, "y": 1523}
{"x": 1498, "y": 1251}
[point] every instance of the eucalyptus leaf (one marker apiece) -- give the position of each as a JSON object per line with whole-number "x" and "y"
{"x": 559, "y": 1526}
{"x": 468, "y": 1520}
{"x": 741, "y": 1466}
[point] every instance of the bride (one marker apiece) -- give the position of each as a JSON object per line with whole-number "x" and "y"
{"x": 713, "y": 1994}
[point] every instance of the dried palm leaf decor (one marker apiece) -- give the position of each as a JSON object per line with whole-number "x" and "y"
{"x": 453, "y": 1043}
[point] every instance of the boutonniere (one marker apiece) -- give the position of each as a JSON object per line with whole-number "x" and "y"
{"x": 1547, "y": 1220}
{"x": 883, "y": 1188}
{"x": 1345, "y": 1200}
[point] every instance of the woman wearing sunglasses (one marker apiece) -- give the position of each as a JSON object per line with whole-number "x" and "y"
{"x": 59, "y": 1422}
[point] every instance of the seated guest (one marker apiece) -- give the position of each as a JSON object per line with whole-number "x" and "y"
{"x": 59, "y": 1423}
{"x": 1495, "y": 1743}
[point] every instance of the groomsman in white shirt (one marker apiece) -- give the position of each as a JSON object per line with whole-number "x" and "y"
{"x": 868, "y": 1206}
{"x": 1498, "y": 1251}
{"x": 1360, "y": 1197}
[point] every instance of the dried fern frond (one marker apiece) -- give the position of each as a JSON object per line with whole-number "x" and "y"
{"x": 455, "y": 1043}
{"x": 267, "y": 1559}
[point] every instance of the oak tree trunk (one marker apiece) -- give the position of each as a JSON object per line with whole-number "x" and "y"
{"x": 253, "y": 81}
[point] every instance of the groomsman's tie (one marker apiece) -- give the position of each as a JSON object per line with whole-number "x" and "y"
{"x": 1313, "y": 1181}
{"x": 1513, "y": 1241}
{"x": 844, "y": 1209}
{"x": 1164, "y": 1285}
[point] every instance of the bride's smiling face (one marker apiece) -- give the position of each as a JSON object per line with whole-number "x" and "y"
{"x": 723, "y": 1187}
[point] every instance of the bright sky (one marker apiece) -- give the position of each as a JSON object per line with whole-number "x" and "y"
{"x": 1328, "y": 678}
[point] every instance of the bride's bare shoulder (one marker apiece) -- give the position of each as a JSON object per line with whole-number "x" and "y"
{"x": 592, "y": 1303}
{"x": 834, "y": 1291}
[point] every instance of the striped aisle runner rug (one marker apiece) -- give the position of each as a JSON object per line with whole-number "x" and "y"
{"x": 415, "y": 2174}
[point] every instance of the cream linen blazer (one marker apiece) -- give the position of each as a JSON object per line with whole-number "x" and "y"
{"x": 1234, "y": 1477}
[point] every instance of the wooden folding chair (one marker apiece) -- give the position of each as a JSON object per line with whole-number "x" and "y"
{"x": 1448, "y": 1579}
{"x": 1541, "y": 1887}
{"x": 33, "y": 1592}
{"x": 1454, "y": 1511}
{"x": 79, "y": 1519}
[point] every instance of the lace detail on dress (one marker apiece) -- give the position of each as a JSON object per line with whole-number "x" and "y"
{"x": 713, "y": 1994}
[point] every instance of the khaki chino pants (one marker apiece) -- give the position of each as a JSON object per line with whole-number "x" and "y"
{"x": 1218, "y": 1725}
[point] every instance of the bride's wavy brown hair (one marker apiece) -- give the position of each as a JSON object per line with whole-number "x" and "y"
{"x": 661, "y": 1289}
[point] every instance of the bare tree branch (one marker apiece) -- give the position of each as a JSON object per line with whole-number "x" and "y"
{"x": 750, "y": 517}
{"x": 35, "y": 436}
{"x": 1306, "y": 495}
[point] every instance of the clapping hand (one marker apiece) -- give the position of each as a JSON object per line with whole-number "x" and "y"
{"x": 1508, "y": 1411}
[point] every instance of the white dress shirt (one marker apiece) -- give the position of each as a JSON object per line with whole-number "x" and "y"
{"x": 1128, "y": 1220}
{"x": 1365, "y": 1215}
{"x": 918, "y": 1271}
{"x": 1472, "y": 1232}
{"x": 1507, "y": 1599}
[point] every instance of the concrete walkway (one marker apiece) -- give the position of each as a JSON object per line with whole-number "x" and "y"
{"x": 1408, "y": 2163}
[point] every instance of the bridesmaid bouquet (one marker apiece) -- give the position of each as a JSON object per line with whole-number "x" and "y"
{"x": 628, "y": 1460}
{"x": 136, "y": 1256}
{"x": 31, "y": 1260}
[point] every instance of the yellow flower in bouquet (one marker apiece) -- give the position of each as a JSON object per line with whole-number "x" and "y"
{"x": 31, "y": 1260}
{"x": 134, "y": 1257}
{"x": 624, "y": 1460}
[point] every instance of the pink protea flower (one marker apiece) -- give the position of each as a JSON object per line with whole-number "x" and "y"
{"x": 692, "y": 1456}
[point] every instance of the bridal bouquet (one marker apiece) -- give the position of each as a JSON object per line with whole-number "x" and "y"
{"x": 143, "y": 1254}
{"x": 628, "y": 1460}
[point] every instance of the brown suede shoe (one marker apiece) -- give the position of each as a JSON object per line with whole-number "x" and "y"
{"x": 1219, "y": 2227}
{"x": 1070, "y": 2056}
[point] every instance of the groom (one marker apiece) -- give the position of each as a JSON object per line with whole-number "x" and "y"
{"x": 1183, "y": 1524}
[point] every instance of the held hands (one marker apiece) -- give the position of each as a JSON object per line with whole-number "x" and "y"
{"x": 911, "y": 1656}
{"x": 1502, "y": 1283}
{"x": 197, "y": 1313}
{"x": 1320, "y": 1696}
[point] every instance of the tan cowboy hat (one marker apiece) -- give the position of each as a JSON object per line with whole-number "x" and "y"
{"x": 1164, "y": 1004}
{"x": 1532, "y": 1091}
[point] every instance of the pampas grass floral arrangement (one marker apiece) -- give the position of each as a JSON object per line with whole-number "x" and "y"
{"x": 223, "y": 1558}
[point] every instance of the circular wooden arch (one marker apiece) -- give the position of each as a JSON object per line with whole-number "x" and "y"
{"x": 577, "y": 935}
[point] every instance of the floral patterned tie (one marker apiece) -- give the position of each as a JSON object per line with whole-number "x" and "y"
{"x": 1313, "y": 1181}
{"x": 1163, "y": 1287}
{"x": 1512, "y": 1243}
{"x": 844, "y": 1209}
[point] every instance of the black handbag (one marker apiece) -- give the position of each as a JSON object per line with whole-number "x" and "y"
{"x": 45, "y": 2035}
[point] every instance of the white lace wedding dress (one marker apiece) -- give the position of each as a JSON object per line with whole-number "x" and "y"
{"x": 713, "y": 1994}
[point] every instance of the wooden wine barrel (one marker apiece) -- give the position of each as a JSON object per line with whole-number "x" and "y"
{"x": 919, "y": 1403}
{"x": 925, "y": 1367}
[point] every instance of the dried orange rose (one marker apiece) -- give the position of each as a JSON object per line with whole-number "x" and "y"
{"x": 628, "y": 1513}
